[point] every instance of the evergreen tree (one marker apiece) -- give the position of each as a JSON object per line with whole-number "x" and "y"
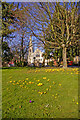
{"x": 7, "y": 19}
{"x": 7, "y": 54}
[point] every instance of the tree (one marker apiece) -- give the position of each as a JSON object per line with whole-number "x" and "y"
{"x": 22, "y": 30}
{"x": 7, "y": 54}
{"x": 64, "y": 28}
{"x": 7, "y": 19}
{"x": 57, "y": 22}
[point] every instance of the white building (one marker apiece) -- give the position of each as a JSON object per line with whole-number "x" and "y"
{"x": 76, "y": 59}
{"x": 35, "y": 57}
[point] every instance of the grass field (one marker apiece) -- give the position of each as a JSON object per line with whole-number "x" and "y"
{"x": 40, "y": 93}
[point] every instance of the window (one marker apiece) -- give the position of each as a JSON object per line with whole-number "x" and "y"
{"x": 30, "y": 50}
{"x": 37, "y": 55}
{"x": 42, "y": 55}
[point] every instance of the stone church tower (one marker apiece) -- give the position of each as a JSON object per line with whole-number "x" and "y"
{"x": 30, "y": 53}
{"x": 30, "y": 47}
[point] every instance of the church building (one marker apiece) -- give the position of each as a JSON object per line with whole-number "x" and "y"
{"x": 35, "y": 57}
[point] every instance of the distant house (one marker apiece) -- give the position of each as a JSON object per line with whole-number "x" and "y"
{"x": 76, "y": 59}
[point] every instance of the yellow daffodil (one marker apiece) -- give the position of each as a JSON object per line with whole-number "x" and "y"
{"x": 27, "y": 78}
{"x": 21, "y": 85}
{"x": 53, "y": 82}
{"x": 44, "y": 78}
{"x": 41, "y": 93}
{"x": 38, "y": 80}
{"x": 45, "y": 92}
{"x": 10, "y": 81}
{"x": 47, "y": 89}
{"x": 17, "y": 83}
{"x": 59, "y": 84}
{"x": 76, "y": 72}
{"x": 30, "y": 82}
{"x": 40, "y": 84}
{"x": 73, "y": 100}
{"x": 13, "y": 84}
{"x": 48, "y": 80}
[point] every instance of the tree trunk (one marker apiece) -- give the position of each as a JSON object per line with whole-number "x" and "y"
{"x": 64, "y": 58}
{"x": 22, "y": 51}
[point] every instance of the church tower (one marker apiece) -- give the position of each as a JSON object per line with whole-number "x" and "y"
{"x": 30, "y": 46}
{"x": 30, "y": 52}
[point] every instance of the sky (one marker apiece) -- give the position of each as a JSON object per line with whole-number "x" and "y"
{"x": 40, "y": 0}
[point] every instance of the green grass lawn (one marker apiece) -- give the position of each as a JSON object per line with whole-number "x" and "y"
{"x": 57, "y": 97}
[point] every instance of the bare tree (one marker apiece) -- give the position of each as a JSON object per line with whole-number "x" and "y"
{"x": 55, "y": 24}
{"x": 22, "y": 30}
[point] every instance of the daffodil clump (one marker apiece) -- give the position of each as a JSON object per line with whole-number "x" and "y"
{"x": 40, "y": 93}
{"x": 37, "y": 71}
{"x": 48, "y": 80}
{"x": 44, "y": 78}
{"x": 39, "y": 84}
{"x": 69, "y": 71}
{"x": 27, "y": 78}
{"x": 22, "y": 83}
{"x": 37, "y": 80}
{"x": 31, "y": 82}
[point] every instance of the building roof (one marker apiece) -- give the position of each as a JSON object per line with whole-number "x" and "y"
{"x": 38, "y": 50}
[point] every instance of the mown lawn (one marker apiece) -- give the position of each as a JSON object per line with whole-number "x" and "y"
{"x": 40, "y": 93}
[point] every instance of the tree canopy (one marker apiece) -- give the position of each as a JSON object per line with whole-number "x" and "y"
{"x": 55, "y": 24}
{"x": 7, "y": 19}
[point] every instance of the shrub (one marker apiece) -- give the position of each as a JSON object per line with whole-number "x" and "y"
{"x": 51, "y": 63}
